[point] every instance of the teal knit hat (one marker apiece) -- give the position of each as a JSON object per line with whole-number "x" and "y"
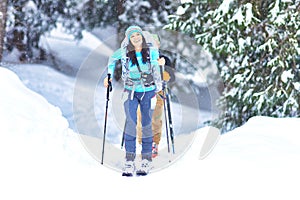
{"x": 133, "y": 29}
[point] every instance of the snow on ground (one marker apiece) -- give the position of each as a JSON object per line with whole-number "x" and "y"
{"x": 41, "y": 158}
{"x": 56, "y": 87}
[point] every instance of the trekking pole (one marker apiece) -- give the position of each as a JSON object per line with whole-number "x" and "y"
{"x": 166, "y": 119}
{"x": 170, "y": 123}
{"x": 170, "y": 119}
{"x": 123, "y": 136}
{"x": 165, "y": 109}
{"x": 109, "y": 89}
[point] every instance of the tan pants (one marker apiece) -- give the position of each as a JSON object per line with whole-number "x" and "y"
{"x": 156, "y": 121}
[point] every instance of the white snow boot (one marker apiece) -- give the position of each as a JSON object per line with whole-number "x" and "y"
{"x": 144, "y": 167}
{"x": 128, "y": 169}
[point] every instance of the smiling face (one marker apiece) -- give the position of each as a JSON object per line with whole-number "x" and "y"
{"x": 137, "y": 40}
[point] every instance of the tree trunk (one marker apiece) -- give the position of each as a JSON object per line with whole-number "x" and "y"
{"x": 3, "y": 9}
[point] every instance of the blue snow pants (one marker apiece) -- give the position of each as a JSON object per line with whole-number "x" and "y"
{"x": 130, "y": 105}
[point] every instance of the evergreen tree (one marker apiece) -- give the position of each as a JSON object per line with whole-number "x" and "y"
{"x": 256, "y": 47}
{"x": 28, "y": 20}
{"x": 123, "y": 13}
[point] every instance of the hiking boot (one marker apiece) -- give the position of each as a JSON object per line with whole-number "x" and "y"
{"x": 128, "y": 169}
{"x": 154, "y": 150}
{"x": 144, "y": 167}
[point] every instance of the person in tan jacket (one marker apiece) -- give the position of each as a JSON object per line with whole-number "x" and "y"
{"x": 168, "y": 76}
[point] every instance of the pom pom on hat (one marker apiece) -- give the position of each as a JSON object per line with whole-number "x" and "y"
{"x": 133, "y": 29}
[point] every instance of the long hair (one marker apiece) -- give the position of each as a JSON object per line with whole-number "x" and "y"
{"x": 131, "y": 52}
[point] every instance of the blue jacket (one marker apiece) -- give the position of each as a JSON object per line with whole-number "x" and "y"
{"x": 131, "y": 71}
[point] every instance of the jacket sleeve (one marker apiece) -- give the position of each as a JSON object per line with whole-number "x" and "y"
{"x": 117, "y": 55}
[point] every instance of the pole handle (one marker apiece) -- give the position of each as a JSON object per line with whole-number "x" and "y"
{"x": 109, "y": 82}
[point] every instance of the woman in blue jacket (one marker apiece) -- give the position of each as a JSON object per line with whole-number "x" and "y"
{"x": 141, "y": 75}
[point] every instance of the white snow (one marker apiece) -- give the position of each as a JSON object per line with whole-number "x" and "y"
{"x": 223, "y": 9}
{"x": 275, "y": 9}
{"x": 41, "y": 158}
{"x": 186, "y": 1}
{"x": 240, "y": 18}
{"x": 297, "y": 85}
{"x": 287, "y": 75}
{"x": 181, "y": 10}
{"x": 249, "y": 14}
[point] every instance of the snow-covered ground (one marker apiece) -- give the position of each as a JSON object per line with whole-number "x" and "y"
{"x": 41, "y": 158}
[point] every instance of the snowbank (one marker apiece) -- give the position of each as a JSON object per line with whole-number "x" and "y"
{"x": 39, "y": 154}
